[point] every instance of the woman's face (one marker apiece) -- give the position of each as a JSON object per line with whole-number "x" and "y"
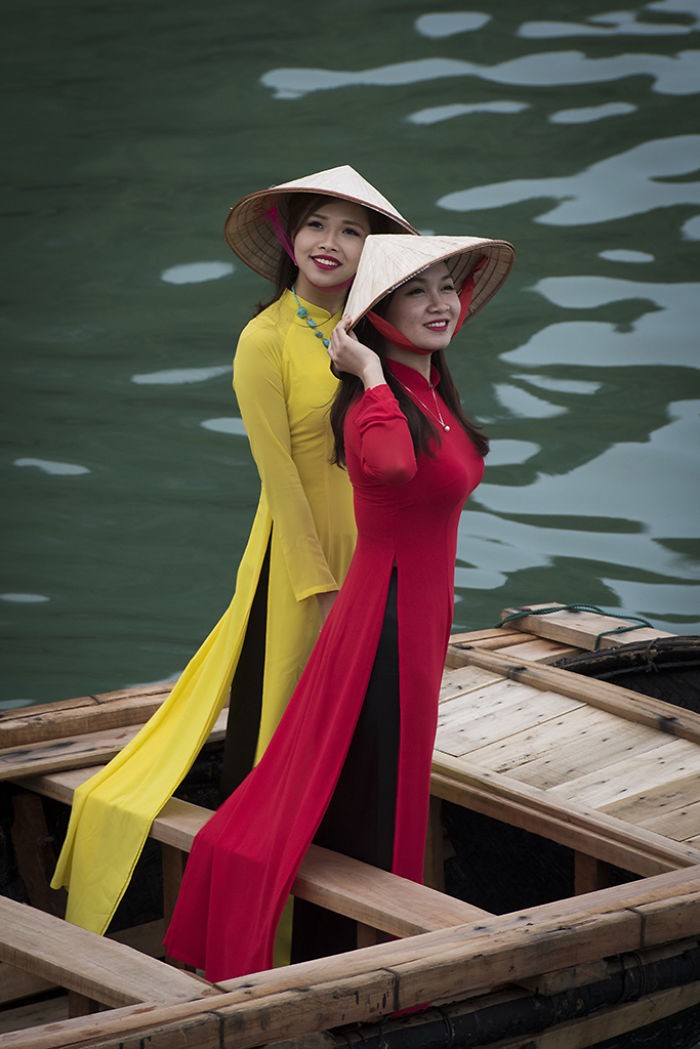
{"x": 328, "y": 245}
{"x": 426, "y": 308}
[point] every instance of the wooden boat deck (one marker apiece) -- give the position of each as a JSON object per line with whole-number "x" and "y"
{"x": 607, "y": 772}
{"x": 599, "y": 768}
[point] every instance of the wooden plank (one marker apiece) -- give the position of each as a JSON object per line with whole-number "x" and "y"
{"x": 632, "y": 706}
{"x": 489, "y": 696}
{"x": 573, "y": 824}
{"x": 371, "y": 982}
{"x": 583, "y": 630}
{"x": 16, "y": 983}
{"x": 98, "y": 968}
{"x": 34, "y": 853}
{"x": 538, "y": 649}
{"x": 654, "y": 801}
{"x": 35, "y": 725}
{"x": 637, "y": 772}
{"x": 682, "y": 823}
{"x": 556, "y": 760}
{"x": 358, "y": 890}
{"x": 31, "y": 1014}
{"x": 532, "y": 715}
{"x": 463, "y": 680}
{"x": 80, "y": 751}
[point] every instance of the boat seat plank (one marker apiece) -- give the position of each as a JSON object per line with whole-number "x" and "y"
{"x": 367, "y": 895}
{"x": 102, "y": 969}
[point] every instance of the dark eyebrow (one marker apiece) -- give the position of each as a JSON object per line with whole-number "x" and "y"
{"x": 345, "y": 222}
{"x": 422, "y": 280}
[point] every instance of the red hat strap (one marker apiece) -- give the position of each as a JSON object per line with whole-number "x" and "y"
{"x": 393, "y": 334}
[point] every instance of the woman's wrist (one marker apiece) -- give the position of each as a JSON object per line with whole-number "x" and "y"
{"x": 373, "y": 374}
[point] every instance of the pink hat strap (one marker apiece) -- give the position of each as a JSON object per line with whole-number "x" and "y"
{"x": 272, "y": 216}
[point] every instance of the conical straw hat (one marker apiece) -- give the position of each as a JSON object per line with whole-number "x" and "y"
{"x": 252, "y": 236}
{"x": 388, "y": 261}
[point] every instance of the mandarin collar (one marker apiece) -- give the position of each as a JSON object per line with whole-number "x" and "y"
{"x": 316, "y": 313}
{"x": 412, "y": 378}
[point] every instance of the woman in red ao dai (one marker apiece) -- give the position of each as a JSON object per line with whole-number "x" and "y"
{"x": 357, "y": 780}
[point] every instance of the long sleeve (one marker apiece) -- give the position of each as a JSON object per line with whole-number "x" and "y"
{"x": 378, "y": 431}
{"x": 264, "y": 398}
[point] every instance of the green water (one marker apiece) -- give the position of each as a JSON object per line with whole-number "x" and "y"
{"x": 129, "y": 128}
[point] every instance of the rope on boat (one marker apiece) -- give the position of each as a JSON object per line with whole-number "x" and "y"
{"x": 634, "y": 621}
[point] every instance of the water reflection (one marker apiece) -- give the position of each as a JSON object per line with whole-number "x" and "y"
{"x": 48, "y": 466}
{"x": 664, "y": 332}
{"x": 618, "y": 23}
{"x": 590, "y": 114}
{"x": 630, "y": 183}
{"x": 180, "y": 376}
{"x": 196, "y": 272}
{"x": 676, "y": 75}
{"x": 437, "y": 114}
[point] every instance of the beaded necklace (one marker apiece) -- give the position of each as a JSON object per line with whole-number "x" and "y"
{"x": 438, "y": 418}
{"x": 304, "y": 314}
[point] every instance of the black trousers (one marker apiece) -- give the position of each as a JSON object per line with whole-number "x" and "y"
{"x": 245, "y": 705}
{"x": 360, "y": 817}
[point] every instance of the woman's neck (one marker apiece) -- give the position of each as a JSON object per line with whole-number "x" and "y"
{"x": 420, "y": 363}
{"x": 330, "y": 299}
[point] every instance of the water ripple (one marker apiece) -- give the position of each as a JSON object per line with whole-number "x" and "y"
{"x": 441, "y": 25}
{"x": 436, "y": 114}
{"x": 180, "y": 376}
{"x": 622, "y": 185}
{"x": 615, "y": 23}
{"x": 590, "y": 114}
{"x": 48, "y": 466}
{"x": 672, "y": 74}
{"x": 24, "y": 599}
{"x": 229, "y": 425}
{"x": 665, "y": 335}
{"x": 196, "y": 272}
{"x": 616, "y": 483}
{"x": 625, "y": 255}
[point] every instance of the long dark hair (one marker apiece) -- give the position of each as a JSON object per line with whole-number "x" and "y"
{"x": 297, "y": 209}
{"x": 423, "y": 431}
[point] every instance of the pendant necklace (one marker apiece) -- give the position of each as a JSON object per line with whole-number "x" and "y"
{"x": 304, "y": 314}
{"x": 438, "y": 418}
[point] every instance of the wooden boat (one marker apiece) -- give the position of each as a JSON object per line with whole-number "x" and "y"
{"x": 533, "y": 759}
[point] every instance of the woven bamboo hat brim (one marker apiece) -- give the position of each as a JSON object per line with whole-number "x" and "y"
{"x": 253, "y": 237}
{"x": 387, "y": 262}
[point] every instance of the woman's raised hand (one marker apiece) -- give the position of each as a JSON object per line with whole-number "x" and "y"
{"x": 348, "y": 354}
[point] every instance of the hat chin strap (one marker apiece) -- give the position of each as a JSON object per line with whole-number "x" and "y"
{"x": 272, "y": 216}
{"x": 399, "y": 339}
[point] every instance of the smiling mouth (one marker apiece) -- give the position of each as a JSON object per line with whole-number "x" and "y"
{"x": 438, "y": 326}
{"x": 325, "y": 262}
